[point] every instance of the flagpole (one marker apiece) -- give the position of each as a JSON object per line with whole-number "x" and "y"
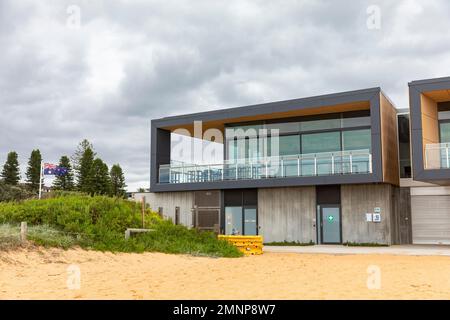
{"x": 41, "y": 179}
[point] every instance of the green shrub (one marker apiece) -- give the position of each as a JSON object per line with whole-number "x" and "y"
{"x": 11, "y": 193}
{"x": 99, "y": 222}
{"x": 290, "y": 243}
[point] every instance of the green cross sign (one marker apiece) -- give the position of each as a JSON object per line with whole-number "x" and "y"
{"x": 330, "y": 218}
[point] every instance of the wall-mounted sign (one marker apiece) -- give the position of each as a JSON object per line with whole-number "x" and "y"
{"x": 330, "y": 219}
{"x": 376, "y": 217}
{"x": 368, "y": 217}
{"x": 377, "y": 210}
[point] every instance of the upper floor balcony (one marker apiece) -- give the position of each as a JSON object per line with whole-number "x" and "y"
{"x": 430, "y": 130}
{"x": 301, "y": 165}
{"x": 340, "y": 138}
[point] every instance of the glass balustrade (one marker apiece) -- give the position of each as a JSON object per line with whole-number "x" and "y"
{"x": 302, "y": 165}
{"x": 437, "y": 156}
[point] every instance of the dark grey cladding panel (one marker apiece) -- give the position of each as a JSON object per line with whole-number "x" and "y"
{"x": 415, "y": 109}
{"x": 417, "y": 153}
{"x": 430, "y": 84}
{"x": 267, "y": 183}
{"x": 160, "y": 152}
{"x": 375, "y": 123}
{"x": 272, "y": 107}
{"x": 437, "y": 176}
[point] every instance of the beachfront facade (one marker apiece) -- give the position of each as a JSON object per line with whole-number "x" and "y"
{"x": 324, "y": 169}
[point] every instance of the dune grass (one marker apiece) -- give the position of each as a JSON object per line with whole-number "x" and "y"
{"x": 43, "y": 235}
{"x": 99, "y": 223}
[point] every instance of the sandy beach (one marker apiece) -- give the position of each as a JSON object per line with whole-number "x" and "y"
{"x": 38, "y": 273}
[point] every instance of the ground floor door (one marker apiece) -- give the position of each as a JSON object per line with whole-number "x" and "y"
{"x": 206, "y": 210}
{"x": 330, "y": 224}
{"x": 240, "y": 212}
{"x": 430, "y": 217}
{"x": 241, "y": 221}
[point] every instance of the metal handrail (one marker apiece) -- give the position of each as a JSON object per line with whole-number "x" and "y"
{"x": 313, "y": 164}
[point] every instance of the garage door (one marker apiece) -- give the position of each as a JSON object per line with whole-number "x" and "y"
{"x": 430, "y": 219}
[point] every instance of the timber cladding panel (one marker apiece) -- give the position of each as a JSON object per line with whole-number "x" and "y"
{"x": 287, "y": 214}
{"x": 430, "y": 132}
{"x": 356, "y": 201}
{"x": 430, "y": 126}
{"x": 389, "y": 141}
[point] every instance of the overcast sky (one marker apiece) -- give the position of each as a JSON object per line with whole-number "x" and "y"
{"x": 130, "y": 61}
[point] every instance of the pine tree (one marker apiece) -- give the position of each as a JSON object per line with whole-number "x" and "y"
{"x": 78, "y": 155}
{"x": 11, "y": 171}
{"x": 117, "y": 181}
{"x": 33, "y": 173}
{"x": 84, "y": 171}
{"x": 100, "y": 181}
{"x": 64, "y": 182}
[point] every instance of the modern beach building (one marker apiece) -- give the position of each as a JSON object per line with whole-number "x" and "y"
{"x": 327, "y": 169}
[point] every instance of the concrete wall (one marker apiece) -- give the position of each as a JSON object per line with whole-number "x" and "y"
{"x": 168, "y": 201}
{"x": 287, "y": 214}
{"x": 356, "y": 201}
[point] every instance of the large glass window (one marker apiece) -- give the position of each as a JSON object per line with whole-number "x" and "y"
{"x": 283, "y": 128}
{"x": 232, "y": 152}
{"x": 289, "y": 146}
{"x": 320, "y": 124}
{"x": 306, "y": 135}
{"x": 356, "y": 140}
{"x": 251, "y": 147}
{"x": 318, "y": 143}
{"x": 321, "y": 142}
{"x": 356, "y": 119}
{"x": 445, "y": 132}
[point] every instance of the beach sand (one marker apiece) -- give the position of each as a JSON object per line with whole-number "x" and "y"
{"x": 39, "y": 273}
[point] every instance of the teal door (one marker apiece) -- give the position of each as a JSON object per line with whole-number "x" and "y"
{"x": 330, "y": 224}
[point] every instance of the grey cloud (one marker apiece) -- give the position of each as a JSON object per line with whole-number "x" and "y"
{"x": 134, "y": 61}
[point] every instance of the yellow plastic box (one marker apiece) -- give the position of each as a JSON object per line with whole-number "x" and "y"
{"x": 249, "y": 245}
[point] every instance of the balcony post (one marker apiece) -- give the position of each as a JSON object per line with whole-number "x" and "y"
{"x": 370, "y": 162}
{"x": 332, "y": 163}
{"x": 282, "y": 168}
{"x": 209, "y": 173}
{"x": 315, "y": 164}
{"x": 446, "y": 153}
{"x": 351, "y": 163}
{"x": 298, "y": 165}
{"x": 223, "y": 169}
{"x": 236, "y": 170}
{"x": 170, "y": 173}
{"x": 426, "y": 157}
{"x": 251, "y": 169}
{"x": 267, "y": 170}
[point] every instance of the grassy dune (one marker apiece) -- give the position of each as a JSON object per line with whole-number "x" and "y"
{"x": 99, "y": 223}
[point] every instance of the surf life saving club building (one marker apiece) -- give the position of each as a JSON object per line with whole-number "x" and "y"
{"x": 329, "y": 169}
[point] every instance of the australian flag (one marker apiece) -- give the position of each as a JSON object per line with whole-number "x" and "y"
{"x": 52, "y": 169}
